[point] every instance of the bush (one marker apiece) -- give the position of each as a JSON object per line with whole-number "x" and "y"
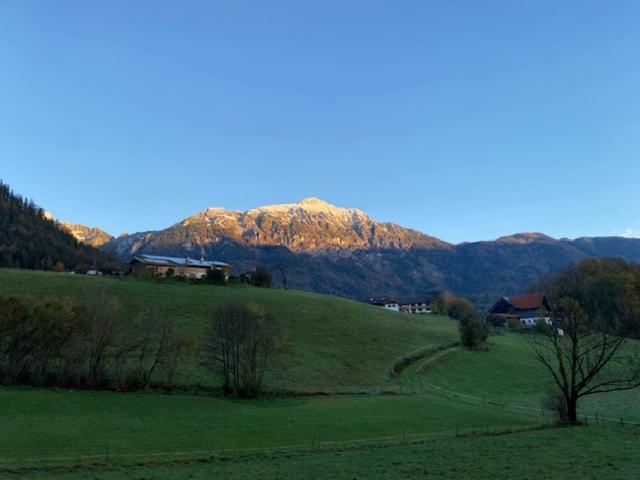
{"x": 261, "y": 277}
{"x": 216, "y": 276}
{"x": 459, "y": 308}
{"x": 473, "y": 331}
{"x": 557, "y": 403}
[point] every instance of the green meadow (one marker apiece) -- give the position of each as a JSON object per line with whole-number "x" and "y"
{"x": 334, "y": 410}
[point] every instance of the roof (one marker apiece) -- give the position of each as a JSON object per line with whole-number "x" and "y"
{"x": 382, "y": 301}
{"x": 177, "y": 261}
{"x": 527, "y": 302}
{"x": 414, "y": 302}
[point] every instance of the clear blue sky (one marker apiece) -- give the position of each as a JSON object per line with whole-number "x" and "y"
{"x": 466, "y": 120}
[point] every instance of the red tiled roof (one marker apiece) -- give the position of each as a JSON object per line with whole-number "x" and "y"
{"x": 527, "y": 302}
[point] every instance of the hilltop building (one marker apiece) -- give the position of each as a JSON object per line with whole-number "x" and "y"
{"x": 408, "y": 306}
{"x": 161, "y": 266}
{"x": 415, "y": 306}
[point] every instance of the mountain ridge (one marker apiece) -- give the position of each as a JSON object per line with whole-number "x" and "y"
{"x": 318, "y": 246}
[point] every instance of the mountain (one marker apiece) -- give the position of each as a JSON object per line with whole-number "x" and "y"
{"x": 30, "y": 238}
{"x": 93, "y": 236}
{"x": 316, "y": 246}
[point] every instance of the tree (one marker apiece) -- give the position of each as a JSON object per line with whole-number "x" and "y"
{"x": 240, "y": 341}
{"x": 261, "y": 277}
{"x": 102, "y": 322}
{"x": 151, "y": 345}
{"x": 283, "y": 272}
{"x": 473, "y": 331}
{"x": 459, "y": 308}
{"x": 217, "y": 276}
{"x": 585, "y": 351}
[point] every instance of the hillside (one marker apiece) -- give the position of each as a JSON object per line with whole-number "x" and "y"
{"x": 329, "y": 343}
{"x": 457, "y": 405}
{"x": 319, "y": 247}
{"x": 92, "y": 236}
{"x": 30, "y": 239}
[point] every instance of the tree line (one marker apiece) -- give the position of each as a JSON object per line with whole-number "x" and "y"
{"x": 95, "y": 345}
{"x": 98, "y": 345}
{"x": 28, "y": 239}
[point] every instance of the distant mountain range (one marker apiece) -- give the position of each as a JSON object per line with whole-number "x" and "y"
{"x": 93, "y": 236}
{"x": 317, "y": 246}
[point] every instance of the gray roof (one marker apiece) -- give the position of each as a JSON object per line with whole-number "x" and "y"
{"x": 178, "y": 261}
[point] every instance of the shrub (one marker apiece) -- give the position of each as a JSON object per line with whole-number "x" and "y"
{"x": 217, "y": 276}
{"x": 459, "y": 308}
{"x": 473, "y": 331}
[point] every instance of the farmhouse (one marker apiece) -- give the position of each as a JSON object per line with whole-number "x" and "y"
{"x": 161, "y": 266}
{"x": 526, "y": 309}
{"x": 415, "y": 306}
{"x": 386, "y": 303}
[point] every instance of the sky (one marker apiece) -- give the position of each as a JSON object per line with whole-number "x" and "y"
{"x": 466, "y": 120}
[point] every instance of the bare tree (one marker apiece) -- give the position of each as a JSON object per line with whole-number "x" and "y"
{"x": 240, "y": 342}
{"x": 155, "y": 346}
{"x": 283, "y": 272}
{"x": 584, "y": 357}
{"x": 103, "y": 318}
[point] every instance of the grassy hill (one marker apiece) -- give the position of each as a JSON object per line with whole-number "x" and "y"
{"x": 328, "y": 344}
{"x": 462, "y": 414}
{"x": 508, "y": 374}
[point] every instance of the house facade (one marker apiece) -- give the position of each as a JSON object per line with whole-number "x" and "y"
{"x": 409, "y": 306}
{"x": 387, "y": 304}
{"x": 163, "y": 266}
{"x": 415, "y": 306}
{"x": 528, "y": 310}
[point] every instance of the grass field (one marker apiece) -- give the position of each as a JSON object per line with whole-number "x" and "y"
{"x": 449, "y": 421}
{"x": 51, "y": 424}
{"x": 329, "y": 343}
{"x": 586, "y": 453}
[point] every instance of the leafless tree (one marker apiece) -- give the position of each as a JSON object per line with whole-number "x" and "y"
{"x": 240, "y": 342}
{"x": 157, "y": 346}
{"x": 104, "y": 315}
{"x": 283, "y": 272}
{"x": 584, "y": 357}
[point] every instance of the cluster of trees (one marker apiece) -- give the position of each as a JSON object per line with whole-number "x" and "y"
{"x": 595, "y": 308}
{"x": 473, "y": 329}
{"x": 28, "y": 239}
{"x": 239, "y": 347}
{"x": 94, "y": 345}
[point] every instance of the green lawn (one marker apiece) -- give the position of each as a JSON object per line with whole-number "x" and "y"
{"x": 57, "y": 423}
{"x": 329, "y": 343}
{"x": 585, "y": 453}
